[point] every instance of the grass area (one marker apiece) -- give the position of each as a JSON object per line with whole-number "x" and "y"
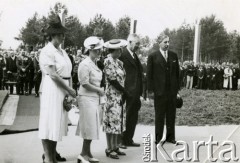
{"x": 201, "y": 107}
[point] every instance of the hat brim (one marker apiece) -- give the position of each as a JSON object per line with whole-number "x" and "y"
{"x": 93, "y": 43}
{"x": 121, "y": 43}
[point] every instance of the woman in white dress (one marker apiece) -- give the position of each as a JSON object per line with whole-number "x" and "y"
{"x": 227, "y": 83}
{"x": 56, "y": 83}
{"x": 89, "y": 76}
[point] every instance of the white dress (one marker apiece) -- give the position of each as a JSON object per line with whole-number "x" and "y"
{"x": 53, "y": 118}
{"x": 88, "y": 101}
{"x": 227, "y": 78}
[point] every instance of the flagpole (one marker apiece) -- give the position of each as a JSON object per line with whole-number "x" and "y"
{"x": 62, "y": 16}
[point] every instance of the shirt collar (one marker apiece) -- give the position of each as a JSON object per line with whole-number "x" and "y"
{"x": 130, "y": 52}
{"x": 162, "y": 52}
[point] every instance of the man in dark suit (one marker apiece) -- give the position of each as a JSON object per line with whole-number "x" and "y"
{"x": 31, "y": 71}
{"x": 163, "y": 81}
{"x": 11, "y": 69}
{"x": 235, "y": 77}
{"x": 133, "y": 84}
{"x": 23, "y": 63}
{"x": 37, "y": 74}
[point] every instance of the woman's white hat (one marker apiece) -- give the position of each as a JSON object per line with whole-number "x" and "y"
{"x": 93, "y": 43}
{"x": 115, "y": 44}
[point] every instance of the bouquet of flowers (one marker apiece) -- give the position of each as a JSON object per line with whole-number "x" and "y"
{"x": 67, "y": 102}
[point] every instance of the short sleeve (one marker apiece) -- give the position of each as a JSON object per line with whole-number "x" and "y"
{"x": 83, "y": 74}
{"x": 109, "y": 70}
{"x": 46, "y": 58}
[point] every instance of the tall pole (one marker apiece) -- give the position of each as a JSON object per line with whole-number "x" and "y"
{"x": 62, "y": 16}
{"x": 196, "y": 57}
{"x": 133, "y": 26}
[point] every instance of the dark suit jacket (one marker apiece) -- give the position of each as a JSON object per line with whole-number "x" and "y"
{"x": 131, "y": 69}
{"x": 11, "y": 65}
{"x": 156, "y": 73}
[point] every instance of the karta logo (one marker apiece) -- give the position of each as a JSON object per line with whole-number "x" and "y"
{"x": 150, "y": 147}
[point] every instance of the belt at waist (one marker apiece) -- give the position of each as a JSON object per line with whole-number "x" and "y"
{"x": 64, "y": 78}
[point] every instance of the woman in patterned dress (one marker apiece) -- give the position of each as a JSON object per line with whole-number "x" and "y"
{"x": 114, "y": 114}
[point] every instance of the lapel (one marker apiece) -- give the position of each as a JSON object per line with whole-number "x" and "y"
{"x": 130, "y": 58}
{"x": 161, "y": 59}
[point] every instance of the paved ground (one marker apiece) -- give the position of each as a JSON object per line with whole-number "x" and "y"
{"x": 27, "y": 114}
{"x": 27, "y": 148}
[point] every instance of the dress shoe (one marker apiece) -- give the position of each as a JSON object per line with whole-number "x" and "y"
{"x": 60, "y": 158}
{"x": 82, "y": 159}
{"x": 122, "y": 146}
{"x": 120, "y": 153}
{"x": 111, "y": 154}
{"x": 132, "y": 144}
{"x": 171, "y": 141}
{"x": 93, "y": 160}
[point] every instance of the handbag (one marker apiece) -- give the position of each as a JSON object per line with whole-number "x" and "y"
{"x": 67, "y": 104}
{"x": 179, "y": 102}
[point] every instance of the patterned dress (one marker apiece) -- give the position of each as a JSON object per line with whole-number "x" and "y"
{"x": 114, "y": 114}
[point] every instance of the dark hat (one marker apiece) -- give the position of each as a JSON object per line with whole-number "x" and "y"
{"x": 55, "y": 26}
{"x": 179, "y": 102}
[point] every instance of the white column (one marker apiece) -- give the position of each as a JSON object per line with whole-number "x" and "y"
{"x": 62, "y": 16}
{"x": 197, "y": 42}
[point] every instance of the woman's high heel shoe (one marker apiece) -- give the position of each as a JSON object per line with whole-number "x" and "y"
{"x": 120, "y": 153}
{"x": 81, "y": 159}
{"x": 111, "y": 154}
{"x": 58, "y": 157}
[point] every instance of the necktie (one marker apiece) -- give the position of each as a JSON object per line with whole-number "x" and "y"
{"x": 134, "y": 55}
{"x": 165, "y": 55}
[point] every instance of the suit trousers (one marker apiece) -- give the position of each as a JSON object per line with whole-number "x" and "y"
{"x": 165, "y": 108}
{"x": 189, "y": 82}
{"x": 133, "y": 105}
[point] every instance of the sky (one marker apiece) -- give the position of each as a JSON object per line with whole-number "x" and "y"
{"x": 153, "y": 16}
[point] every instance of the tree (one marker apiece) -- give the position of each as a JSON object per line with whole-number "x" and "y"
{"x": 76, "y": 32}
{"x": 31, "y": 34}
{"x": 181, "y": 41}
{"x": 99, "y": 26}
{"x": 214, "y": 40}
{"x": 123, "y": 27}
{"x": 57, "y": 9}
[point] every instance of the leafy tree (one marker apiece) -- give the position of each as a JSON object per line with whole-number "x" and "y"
{"x": 214, "y": 40}
{"x": 99, "y": 26}
{"x": 76, "y": 32}
{"x": 123, "y": 27}
{"x": 181, "y": 41}
{"x": 57, "y": 9}
{"x": 31, "y": 34}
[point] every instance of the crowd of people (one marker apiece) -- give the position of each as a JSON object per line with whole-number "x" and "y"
{"x": 210, "y": 76}
{"x": 20, "y": 68}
